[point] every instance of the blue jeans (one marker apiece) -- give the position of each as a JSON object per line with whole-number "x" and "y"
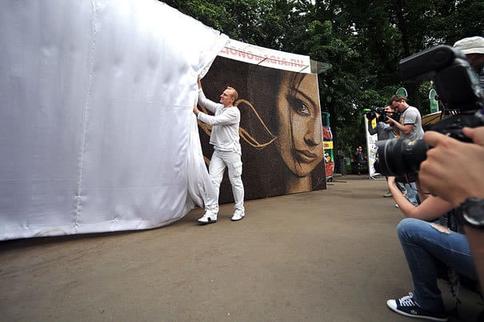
{"x": 410, "y": 192}
{"x": 423, "y": 245}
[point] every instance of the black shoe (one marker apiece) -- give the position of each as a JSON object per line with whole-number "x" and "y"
{"x": 408, "y": 307}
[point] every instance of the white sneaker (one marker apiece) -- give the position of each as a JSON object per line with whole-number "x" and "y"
{"x": 208, "y": 217}
{"x": 238, "y": 215}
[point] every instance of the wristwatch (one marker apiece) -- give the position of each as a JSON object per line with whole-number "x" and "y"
{"x": 472, "y": 210}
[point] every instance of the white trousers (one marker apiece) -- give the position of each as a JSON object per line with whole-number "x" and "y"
{"x": 221, "y": 160}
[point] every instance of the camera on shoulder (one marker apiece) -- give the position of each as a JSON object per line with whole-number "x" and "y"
{"x": 380, "y": 114}
{"x": 377, "y": 113}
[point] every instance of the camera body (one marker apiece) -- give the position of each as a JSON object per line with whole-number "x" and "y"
{"x": 458, "y": 89}
{"x": 377, "y": 113}
{"x": 380, "y": 114}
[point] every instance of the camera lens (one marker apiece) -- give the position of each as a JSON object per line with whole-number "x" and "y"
{"x": 398, "y": 157}
{"x": 383, "y": 117}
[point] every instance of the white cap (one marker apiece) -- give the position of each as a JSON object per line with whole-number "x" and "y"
{"x": 470, "y": 45}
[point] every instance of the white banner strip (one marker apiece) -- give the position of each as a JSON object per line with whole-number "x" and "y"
{"x": 371, "y": 150}
{"x": 266, "y": 57}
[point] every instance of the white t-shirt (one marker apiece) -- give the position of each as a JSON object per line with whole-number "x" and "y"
{"x": 412, "y": 116}
{"x": 225, "y": 124}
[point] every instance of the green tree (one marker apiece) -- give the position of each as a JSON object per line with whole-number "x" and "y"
{"x": 363, "y": 40}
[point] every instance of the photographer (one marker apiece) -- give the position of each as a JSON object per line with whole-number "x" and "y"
{"x": 410, "y": 123}
{"x": 443, "y": 165}
{"x": 425, "y": 244}
{"x": 457, "y": 162}
{"x": 383, "y": 128}
{"x": 473, "y": 48}
{"x": 409, "y": 127}
{"x": 452, "y": 170}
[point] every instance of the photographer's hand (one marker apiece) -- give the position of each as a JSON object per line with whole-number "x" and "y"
{"x": 406, "y": 129}
{"x": 453, "y": 170}
{"x": 476, "y": 134}
{"x": 394, "y": 123}
{"x": 391, "y": 120}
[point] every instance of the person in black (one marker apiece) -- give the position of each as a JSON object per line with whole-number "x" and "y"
{"x": 383, "y": 130}
{"x": 359, "y": 159}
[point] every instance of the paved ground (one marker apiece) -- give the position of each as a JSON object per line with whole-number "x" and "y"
{"x": 323, "y": 256}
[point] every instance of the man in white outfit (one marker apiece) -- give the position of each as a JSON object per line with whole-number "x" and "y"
{"x": 225, "y": 139}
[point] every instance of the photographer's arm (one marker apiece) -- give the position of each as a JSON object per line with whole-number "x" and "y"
{"x": 430, "y": 209}
{"x": 453, "y": 170}
{"x": 405, "y": 129}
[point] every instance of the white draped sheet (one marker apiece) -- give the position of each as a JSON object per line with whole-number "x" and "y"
{"x": 97, "y": 132}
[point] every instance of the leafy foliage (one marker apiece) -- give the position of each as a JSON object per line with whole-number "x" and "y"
{"x": 363, "y": 40}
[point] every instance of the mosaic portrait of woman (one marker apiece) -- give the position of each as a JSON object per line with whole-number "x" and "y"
{"x": 281, "y": 129}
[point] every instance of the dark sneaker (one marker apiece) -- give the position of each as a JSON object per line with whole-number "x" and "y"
{"x": 408, "y": 307}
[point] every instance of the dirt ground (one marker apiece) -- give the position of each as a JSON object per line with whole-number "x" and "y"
{"x": 329, "y": 255}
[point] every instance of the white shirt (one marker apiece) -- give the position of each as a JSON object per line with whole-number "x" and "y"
{"x": 411, "y": 116}
{"x": 225, "y": 124}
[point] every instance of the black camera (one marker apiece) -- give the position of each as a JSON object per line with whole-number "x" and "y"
{"x": 380, "y": 114}
{"x": 459, "y": 91}
{"x": 376, "y": 113}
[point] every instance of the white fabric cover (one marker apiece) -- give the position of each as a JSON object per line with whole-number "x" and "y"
{"x": 96, "y": 126}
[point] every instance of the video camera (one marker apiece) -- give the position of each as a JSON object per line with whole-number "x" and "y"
{"x": 458, "y": 89}
{"x": 380, "y": 114}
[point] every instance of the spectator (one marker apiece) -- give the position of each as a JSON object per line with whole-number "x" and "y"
{"x": 359, "y": 159}
{"x": 383, "y": 130}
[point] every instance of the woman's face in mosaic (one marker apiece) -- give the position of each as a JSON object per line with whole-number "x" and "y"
{"x": 300, "y": 135}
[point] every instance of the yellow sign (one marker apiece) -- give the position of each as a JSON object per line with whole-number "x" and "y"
{"x": 327, "y": 145}
{"x": 373, "y": 123}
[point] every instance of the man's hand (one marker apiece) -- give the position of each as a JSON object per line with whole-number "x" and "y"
{"x": 389, "y": 119}
{"x": 453, "y": 170}
{"x": 405, "y": 129}
{"x": 476, "y": 134}
{"x": 196, "y": 110}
